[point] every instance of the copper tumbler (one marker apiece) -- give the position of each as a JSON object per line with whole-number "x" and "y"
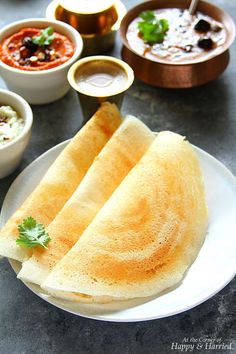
{"x": 97, "y": 21}
{"x": 97, "y": 79}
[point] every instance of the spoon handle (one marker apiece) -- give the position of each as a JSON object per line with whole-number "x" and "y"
{"x": 193, "y": 7}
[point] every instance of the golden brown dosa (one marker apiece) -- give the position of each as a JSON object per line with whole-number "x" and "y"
{"x": 61, "y": 179}
{"x": 146, "y": 236}
{"x": 125, "y": 148}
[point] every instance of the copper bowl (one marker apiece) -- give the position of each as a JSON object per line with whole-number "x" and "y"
{"x": 178, "y": 75}
{"x": 98, "y": 28}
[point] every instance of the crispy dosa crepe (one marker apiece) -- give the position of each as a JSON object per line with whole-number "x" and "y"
{"x": 61, "y": 179}
{"x": 146, "y": 235}
{"x": 120, "y": 154}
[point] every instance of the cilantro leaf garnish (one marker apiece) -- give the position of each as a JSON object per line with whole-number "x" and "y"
{"x": 32, "y": 234}
{"x": 45, "y": 37}
{"x": 151, "y": 28}
{"x": 148, "y": 15}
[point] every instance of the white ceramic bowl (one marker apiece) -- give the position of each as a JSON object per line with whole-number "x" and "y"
{"x": 43, "y": 86}
{"x": 11, "y": 153}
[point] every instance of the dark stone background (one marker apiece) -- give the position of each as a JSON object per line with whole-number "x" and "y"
{"x": 206, "y": 115}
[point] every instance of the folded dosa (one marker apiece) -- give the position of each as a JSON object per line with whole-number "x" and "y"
{"x": 61, "y": 179}
{"x": 125, "y": 148}
{"x": 146, "y": 236}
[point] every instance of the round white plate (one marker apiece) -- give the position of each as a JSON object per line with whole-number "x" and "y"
{"x": 214, "y": 267}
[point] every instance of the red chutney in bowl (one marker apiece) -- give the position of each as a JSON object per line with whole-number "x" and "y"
{"x": 19, "y": 51}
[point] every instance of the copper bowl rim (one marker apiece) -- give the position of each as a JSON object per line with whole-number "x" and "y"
{"x": 120, "y": 8}
{"x": 131, "y": 15}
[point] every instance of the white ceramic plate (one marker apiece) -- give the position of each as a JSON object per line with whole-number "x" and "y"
{"x": 214, "y": 267}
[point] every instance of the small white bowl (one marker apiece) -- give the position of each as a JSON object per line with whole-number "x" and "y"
{"x": 43, "y": 86}
{"x": 11, "y": 153}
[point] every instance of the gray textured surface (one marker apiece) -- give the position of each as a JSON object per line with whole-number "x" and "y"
{"x": 206, "y": 115}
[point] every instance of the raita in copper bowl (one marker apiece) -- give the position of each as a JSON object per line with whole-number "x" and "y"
{"x": 168, "y": 47}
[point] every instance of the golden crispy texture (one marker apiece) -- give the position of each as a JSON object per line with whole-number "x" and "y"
{"x": 147, "y": 234}
{"x": 61, "y": 179}
{"x": 120, "y": 154}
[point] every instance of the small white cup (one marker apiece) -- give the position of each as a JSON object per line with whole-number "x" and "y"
{"x": 43, "y": 86}
{"x": 11, "y": 153}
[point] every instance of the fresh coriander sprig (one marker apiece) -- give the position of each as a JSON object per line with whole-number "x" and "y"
{"x": 32, "y": 234}
{"x": 45, "y": 37}
{"x": 151, "y": 28}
